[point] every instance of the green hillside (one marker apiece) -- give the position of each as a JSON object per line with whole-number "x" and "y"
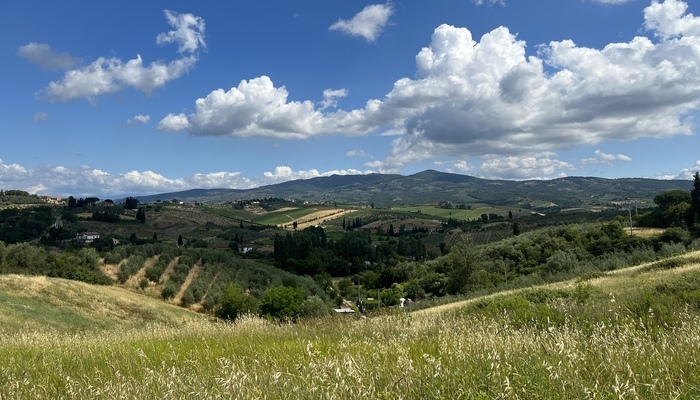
{"x": 37, "y": 303}
{"x": 631, "y": 333}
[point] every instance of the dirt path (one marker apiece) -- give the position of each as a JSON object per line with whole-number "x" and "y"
{"x": 191, "y": 276}
{"x": 168, "y": 270}
{"x": 135, "y": 279}
{"x": 110, "y": 270}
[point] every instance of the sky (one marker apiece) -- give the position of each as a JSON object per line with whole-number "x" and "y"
{"x": 132, "y": 98}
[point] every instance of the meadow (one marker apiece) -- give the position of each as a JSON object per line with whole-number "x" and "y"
{"x": 632, "y": 333}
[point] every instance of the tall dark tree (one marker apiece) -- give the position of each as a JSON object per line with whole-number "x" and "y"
{"x": 131, "y": 203}
{"x": 179, "y": 241}
{"x": 695, "y": 198}
{"x": 141, "y": 215}
{"x": 72, "y": 203}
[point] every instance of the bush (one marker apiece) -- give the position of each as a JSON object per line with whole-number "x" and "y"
{"x": 235, "y": 302}
{"x": 391, "y": 296}
{"x": 169, "y": 291}
{"x": 671, "y": 249}
{"x": 314, "y": 307}
{"x": 282, "y": 302}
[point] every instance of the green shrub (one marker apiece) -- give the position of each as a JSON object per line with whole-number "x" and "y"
{"x": 235, "y": 302}
{"x": 282, "y": 302}
{"x": 314, "y": 307}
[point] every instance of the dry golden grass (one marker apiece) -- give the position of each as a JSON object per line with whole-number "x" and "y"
{"x": 620, "y": 277}
{"x": 317, "y": 218}
{"x": 104, "y": 305}
{"x": 133, "y": 281}
{"x": 645, "y": 232}
{"x": 110, "y": 270}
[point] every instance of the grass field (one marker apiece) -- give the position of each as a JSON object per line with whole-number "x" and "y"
{"x": 461, "y": 214}
{"x": 631, "y": 334}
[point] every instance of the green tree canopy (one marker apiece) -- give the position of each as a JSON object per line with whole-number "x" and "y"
{"x": 235, "y": 302}
{"x": 672, "y": 198}
{"x": 282, "y": 302}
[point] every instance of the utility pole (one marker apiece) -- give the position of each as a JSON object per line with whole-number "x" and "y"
{"x": 629, "y": 207}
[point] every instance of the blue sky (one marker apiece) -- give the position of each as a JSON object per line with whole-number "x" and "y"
{"x": 131, "y": 98}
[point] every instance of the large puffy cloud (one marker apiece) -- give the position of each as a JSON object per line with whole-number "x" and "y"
{"x": 284, "y": 173}
{"x": 535, "y": 167}
{"x": 12, "y": 172}
{"x": 257, "y": 108}
{"x": 488, "y": 97}
{"x": 669, "y": 19}
{"x": 368, "y": 23}
{"x": 684, "y": 174}
{"x": 109, "y": 75}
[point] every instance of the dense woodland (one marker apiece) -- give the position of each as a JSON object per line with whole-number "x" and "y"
{"x": 361, "y": 262}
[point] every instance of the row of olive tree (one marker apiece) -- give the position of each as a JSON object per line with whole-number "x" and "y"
{"x": 26, "y": 259}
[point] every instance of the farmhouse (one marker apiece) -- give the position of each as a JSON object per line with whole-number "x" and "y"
{"x": 87, "y": 237}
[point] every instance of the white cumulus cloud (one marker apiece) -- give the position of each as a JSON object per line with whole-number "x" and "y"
{"x": 188, "y": 33}
{"x": 604, "y": 158}
{"x": 139, "y": 119}
{"x": 331, "y": 96}
{"x": 285, "y": 173}
{"x": 488, "y": 96}
{"x": 540, "y": 166}
{"x": 110, "y": 74}
{"x": 368, "y": 23}
{"x": 684, "y": 174}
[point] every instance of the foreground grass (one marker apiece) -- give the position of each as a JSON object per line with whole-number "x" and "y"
{"x": 392, "y": 357}
{"x": 624, "y": 335}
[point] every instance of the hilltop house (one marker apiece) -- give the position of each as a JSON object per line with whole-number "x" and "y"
{"x": 106, "y": 203}
{"x": 87, "y": 237}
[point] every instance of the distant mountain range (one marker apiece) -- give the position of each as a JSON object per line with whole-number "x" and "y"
{"x": 385, "y": 190}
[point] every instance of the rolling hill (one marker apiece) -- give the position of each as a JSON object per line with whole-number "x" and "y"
{"x": 386, "y": 190}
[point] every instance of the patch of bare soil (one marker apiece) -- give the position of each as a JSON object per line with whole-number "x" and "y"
{"x": 318, "y": 217}
{"x": 110, "y": 270}
{"x": 134, "y": 280}
{"x": 168, "y": 270}
{"x": 191, "y": 276}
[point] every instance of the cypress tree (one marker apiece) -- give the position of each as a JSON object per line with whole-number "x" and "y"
{"x": 695, "y": 198}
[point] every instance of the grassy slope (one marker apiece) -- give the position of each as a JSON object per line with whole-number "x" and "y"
{"x": 447, "y": 352}
{"x": 36, "y": 303}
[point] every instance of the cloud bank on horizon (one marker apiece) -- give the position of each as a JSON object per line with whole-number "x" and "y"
{"x": 483, "y": 105}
